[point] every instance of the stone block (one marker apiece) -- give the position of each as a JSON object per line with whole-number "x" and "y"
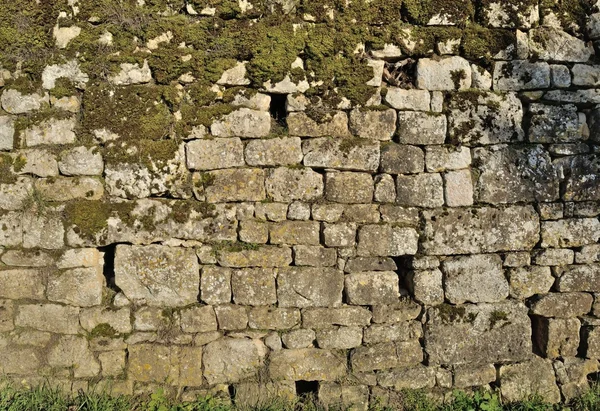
{"x": 447, "y": 73}
{"x": 265, "y": 256}
{"x": 359, "y": 264}
{"x": 7, "y": 132}
{"x": 386, "y": 240}
{"x": 386, "y": 355}
{"x": 295, "y": 232}
{"x": 400, "y": 331}
{"x": 402, "y": 99}
{"x": 536, "y": 377}
{"x": 475, "y": 278}
{"x": 82, "y": 287}
{"x": 403, "y": 310}
{"x": 73, "y": 352}
{"x": 349, "y": 188}
{"x": 270, "y": 318}
{"x": 458, "y": 188}
{"x": 340, "y": 338}
{"x": 556, "y": 124}
{"x": 7, "y": 312}
{"x": 373, "y": 124}
{"x": 570, "y": 232}
{"x": 562, "y": 305}
{"x": 243, "y": 122}
{"x": 309, "y": 287}
{"x": 353, "y": 397}
{"x": 347, "y": 316}
{"x": 521, "y": 75}
{"x": 526, "y": 282}
{"x": 299, "y": 339}
{"x": 339, "y": 235}
{"x": 198, "y": 319}
{"x": 300, "y": 124}
{"x": 215, "y": 285}
{"x": 286, "y": 184}
{"x": 244, "y": 184}
{"x": 426, "y": 286}
{"x": 81, "y": 161}
{"x": 372, "y": 288}
{"x": 314, "y": 256}
{"x": 549, "y": 43}
{"x": 211, "y": 154}
{"x": 274, "y": 152}
{"x": 579, "y": 278}
{"x": 254, "y": 286}
{"x": 442, "y": 158}
{"x": 418, "y": 128}
{"x": 231, "y": 317}
{"x": 401, "y": 159}
{"x": 118, "y": 319}
{"x": 420, "y": 190}
{"x": 591, "y": 342}
{"x": 473, "y": 375}
{"x": 556, "y": 337}
{"x": 22, "y": 284}
{"x": 350, "y": 153}
{"x": 417, "y": 377}
{"x": 158, "y": 275}
{"x": 307, "y": 364}
{"x": 43, "y": 230}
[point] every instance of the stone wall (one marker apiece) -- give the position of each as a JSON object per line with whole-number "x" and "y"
{"x": 286, "y": 196}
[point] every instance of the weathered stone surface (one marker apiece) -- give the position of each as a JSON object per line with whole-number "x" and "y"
{"x": 70, "y": 188}
{"x": 287, "y": 184}
{"x": 484, "y": 118}
{"x": 38, "y": 162}
{"x": 404, "y": 331}
{"x": 215, "y": 285}
{"x": 119, "y": 319}
{"x": 14, "y": 102}
{"x": 571, "y": 232}
{"x": 551, "y": 44}
{"x": 244, "y": 184}
{"x": 401, "y": 159}
{"x": 53, "y": 131}
{"x": 355, "y": 397}
{"x": 442, "y": 158}
{"x": 349, "y": 188}
{"x": 274, "y": 152}
{"x": 386, "y": 355}
{"x": 178, "y": 365}
{"x": 48, "y": 317}
{"x": 309, "y": 364}
{"x": 519, "y": 381}
{"x": 426, "y": 286}
{"x": 243, "y": 123}
{"x": 580, "y": 278}
{"x": 584, "y": 75}
{"x": 556, "y": 124}
{"x": 475, "y": 278}
{"x": 341, "y": 153}
{"x": 417, "y": 377}
{"x": 254, "y": 286}
{"x": 473, "y": 375}
{"x": 403, "y": 310}
{"x": 386, "y": 240}
{"x": 81, "y": 161}
{"x": 309, "y": 287}
{"x": 581, "y": 175}
{"x": 478, "y": 334}
{"x": 300, "y": 124}
{"x": 373, "y": 124}
{"x": 420, "y": 190}
{"x": 302, "y": 338}
{"x": 235, "y": 76}
{"x": 554, "y": 256}
{"x": 480, "y": 230}
{"x": 231, "y": 359}
{"x": 347, "y": 316}
{"x": 385, "y": 189}
{"x": 528, "y": 281}
{"x": 69, "y": 70}
{"x": 7, "y": 132}
{"x": 415, "y": 127}
{"x": 231, "y": 317}
{"x": 157, "y": 275}
{"x": 556, "y": 337}
{"x": 269, "y": 318}
{"x": 266, "y": 256}
{"x": 295, "y": 232}
{"x": 449, "y": 73}
{"x": 132, "y": 74}
{"x": 372, "y": 288}
{"x": 588, "y": 254}
{"x": 591, "y": 340}
{"x": 521, "y": 75}
{"x": 7, "y": 312}
{"x": 198, "y": 319}
{"x": 341, "y": 338}
{"x": 458, "y": 188}
{"x": 572, "y": 375}
{"x": 509, "y": 175}
{"x": 359, "y": 264}
{"x": 11, "y": 234}
{"x": 562, "y": 305}
{"x": 314, "y": 256}
{"x": 213, "y": 154}
{"x": 25, "y": 258}
{"x": 73, "y": 351}
{"x": 255, "y": 394}
{"x": 22, "y": 284}
{"x": 402, "y": 99}
{"x": 82, "y": 287}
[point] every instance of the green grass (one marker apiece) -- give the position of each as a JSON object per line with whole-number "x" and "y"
{"x": 45, "y": 398}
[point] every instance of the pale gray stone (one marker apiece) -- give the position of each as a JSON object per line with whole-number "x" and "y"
{"x": 287, "y": 184}
{"x": 215, "y": 285}
{"x": 73, "y": 351}
{"x": 579, "y": 278}
{"x": 266, "y": 256}
{"x": 11, "y": 233}
{"x": 244, "y": 184}
{"x": 214, "y": 154}
{"x": 253, "y": 101}
{"x": 198, "y": 319}
{"x": 7, "y": 132}
{"x": 521, "y": 75}
{"x": 309, "y": 364}
{"x": 556, "y": 124}
{"x": 373, "y": 124}
{"x": 43, "y": 230}
{"x": 417, "y": 377}
{"x": 519, "y": 381}
{"x": 554, "y": 256}
{"x": 385, "y": 240}
{"x": 81, "y": 161}
{"x": 420, "y": 190}
{"x": 314, "y": 256}
{"x": 14, "y": 102}
{"x": 22, "y": 284}
{"x": 254, "y": 286}
{"x": 571, "y": 232}
{"x": 340, "y": 338}
{"x": 282, "y": 151}
{"x": 481, "y": 78}
{"x": 401, "y": 159}
{"x": 229, "y": 360}
{"x": 348, "y": 316}
{"x": 442, "y": 158}
{"x": 359, "y": 264}
{"x": 298, "y": 210}
{"x": 14, "y": 196}
{"x": 386, "y": 356}
{"x": 427, "y": 286}
{"x": 348, "y": 187}
{"x": 341, "y": 153}
{"x": 25, "y": 258}
{"x": 401, "y": 331}
{"x": 447, "y": 73}
{"x": 585, "y": 75}
{"x": 528, "y": 281}
{"x": 300, "y": 124}
{"x": 295, "y": 232}
{"x": 458, "y": 188}
{"x": 402, "y": 99}
{"x": 51, "y": 131}
{"x": 372, "y": 288}
{"x": 420, "y": 128}
{"x": 339, "y": 235}
{"x": 473, "y": 375}
{"x": 132, "y": 74}
{"x": 119, "y": 320}
{"x": 69, "y": 70}
{"x": 271, "y": 318}
{"x": 48, "y": 317}
{"x": 243, "y": 123}
{"x": 81, "y": 287}
{"x": 561, "y": 76}
{"x": 404, "y": 310}
{"x": 41, "y": 163}
{"x": 475, "y": 278}
{"x": 235, "y": 76}
{"x": 309, "y": 287}
{"x": 556, "y": 45}
{"x": 385, "y": 189}
{"x": 157, "y": 275}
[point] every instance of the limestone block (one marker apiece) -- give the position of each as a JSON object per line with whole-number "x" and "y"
{"x": 420, "y": 190}
{"x": 271, "y": 318}
{"x": 447, "y": 73}
{"x": 295, "y": 232}
{"x": 73, "y": 351}
{"x": 401, "y": 331}
{"x": 570, "y": 232}
{"x": 254, "y": 286}
{"x": 302, "y": 338}
{"x": 132, "y": 74}
{"x": 556, "y": 337}
{"x": 373, "y": 124}
{"x": 286, "y": 184}
{"x": 348, "y": 316}
{"x": 214, "y": 154}
{"x": 82, "y": 287}
{"x": 426, "y": 286}
{"x": 231, "y": 317}
{"x": 401, "y": 159}
{"x": 348, "y": 187}
{"x": 518, "y": 75}
{"x": 314, "y": 256}
{"x": 300, "y": 124}
{"x": 458, "y": 188}
{"x": 403, "y": 310}
{"x": 386, "y": 240}
{"x": 253, "y": 231}
{"x": 7, "y": 132}
{"x": 14, "y": 102}
{"x": 420, "y": 128}
{"x": 475, "y": 278}
{"x": 265, "y": 256}
{"x": 22, "y": 284}
{"x": 274, "y": 152}
{"x": 473, "y": 375}
{"x": 562, "y": 305}
{"x": 158, "y": 275}
{"x": 416, "y": 377}
{"x": 580, "y": 278}
{"x": 215, "y": 285}
{"x": 348, "y": 153}
{"x": 358, "y": 264}
{"x": 520, "y": 381}
{"x": 529, "y": 281}
{"x": 119, "y": 320}
{"x": 386, "y": 355}
{"x": 244, "y": 184}
{"x": 48, "y": 317}
{"x": 556, "y": 124}
{"x": 198, "y": 319}
{"x": 552, "y": 44}
{"x": 401, "y": 99}
{"x": 442, "y": 158}
{"x": 309, "y": 364}
{"x": 309, "y": 287}
{"x": 340, "y": 338}
{"x": 372, "y": 288}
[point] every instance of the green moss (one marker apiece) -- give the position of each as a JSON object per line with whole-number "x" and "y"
{"x": 89, "y": 217}
{"x": 192, "y": 115}
{"x": 516, "y": 10}
{"x": 103, "y": 330}
{"x": 457, "y": 76}
{"x": 572, "y": 14}
{"x": 496, "y": 317}
{"x": 63, "y": 88}
{"x": 451, "y": 313}
{"x": 182, "y": 211}
{"x": 421, "y": 11}
{"x": 234, "y": 247}
{"x": 9, "y": 166}
{"x": 480, "y": 43}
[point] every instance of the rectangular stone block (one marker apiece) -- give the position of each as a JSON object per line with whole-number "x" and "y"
{"x": 420, "y": 190}
{"x": 562, "y": 305}
{"x": 570, "y": 232}
{"x": 309, "y": 287}
{"x": 271, "y": 318}
{"x": 418, "y": 128}
{"x": 339, "y": 338}
{"x": 556, "y": 337}
{"x": 295, "y": 232}
{"x": 264, "y": 256}
{"x": 401, "y": 159}
{"x": 314, "y": 256}
{"x": 347, "y": 316}
{"x": 254, "y": 286}
{"x": 386, "y": 355}
{"x": 244, "y": 184}
{"x": 480, "y": 230}
{"x": 300, "y": 124}
{"x": 373, "y": 124}
{"x": 521, "y": 75}
{"x": 385, "y": 240}
{"x": 579, "y": 278}
{"x": 211, "y": 154}
{"x": 372, "y": 288}
{"x": 82, "y": 287}
{"x": 308, "y": 364}
{"x": 198, "y": 319}
{"x": 48, "y": 317}
{"x": 22, "y": 284}
{"x": 341, "y": 153}
{"x": 349, "y": 188}
{"x": 274, "y": 152}
{"x": 474, "y": 278}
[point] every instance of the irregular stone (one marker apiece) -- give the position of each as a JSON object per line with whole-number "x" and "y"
{"x": 580, "y": 278}
{"x": 286, "y": 86}
{"x": 556, "y": 337}
{"x": 286, "y": 184}
{"x": 562, "y": 305}
{"x": 402, "y": 99}
{"x": 314, "y": 256}
{"x": 442, "y": 158}
{"x": 157, "y": 275}
{"x": 254, "y": 286}
{"x": 554, "y": 256}
{"x": 355, "y": 397}
{"x": 43, "y": 230}
{"x": 348, "y": 187}
{"x": 7, "y": 132}
{"x": 581, "y": 174}
{"x": 426, "y": 286}
{"x": 446, "y": 73}
{"x": 521, "y": 75}
{"x": 386, "y": 240}
{"x": 81, "y": 161}
{"x": 309, "y": 287}
{"x": 14, "y": 102}
{"x": 112, "y": 363}
{"x": 591, "y": 338}
{"x": 403, "y": 310}
{"x": 253, "y": 101}
{"x": 510, "y": 175}
{"x": 556, "y": 124}
{"x": 80, "y": 257}
{"x": 588, "y": 254}
{"x": 458, "y": 188}
{"x": 385, "y": 189}
{"x": 119, "y": 320}
{"x": 373, "y": 124}
{"x": 560, "y": 76}
{"x": 478, "y": 334}
{"x": 469, "y": 231}
{"x": 69, "y": 70}
{"x": 295, "y": 232}
{"x": 73, "y": 351}
{"x": 341, "y": 338}
{"x": 22, "y": 284}
{"x": 484, "y": 118}
{"x": 231, "y": 317}
{"x": 299, "y": 339}
{"x": 346, "y": 316}
{"x": 386, "y": 355}
{"x": 420, "y": 128}
{"x": 235, "y": 76}
{"x": 11, "y": 232}
{"x": 481, "y": 78}
{"x": 7, "y": 312}
{"x": 38, "y": 162}
{"x": 298, "y": 211}
{"x": 401, "y": 159}
{"x": 48, "y": 317}
{"x": 231, "y": 359}
{"x": 132, "y": 74}
{"x": 511, "y": 15}
{"x": 308, "y": 364}
{"x": 570, "y": 232}
{"x": 474, "y": 278}
{"x": 405, "y": 331}
{"x": 274, "y": 152}
{"x": 417, "y": 377}
{"x": 420, "y": 190}
{"x": 584, "y": 75}
{"x": 529, "y": 281}
{"x": 198, "y": 319}
{"x": 82, "y": 287}
{"x": 572, "y": 375}
{"x": 473, "y": 375}
{"x": 359, "y": 264}
{"x": 300, "y": 124}
{"x": 519, "y": 381}
{"x": 266, "y": 256}
{"x": 14, "y": 196}
{"x": 214, "y": 154}
{"x": 270, "y": 318}
{"x": 24, "y": 258}
{"x": 52, "y": 131}
{"x": 548, "y": 43}
{"x": 372, "y": 288}
{"x": 244, "y": 184}
{"x": 243, "y": 123}
{"x": 342, "y": 153}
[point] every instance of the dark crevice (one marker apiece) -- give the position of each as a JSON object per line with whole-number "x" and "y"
{"x": 307, "y": 388}
{"x": 109, "y": 266}
{"x": 277, "y": 108}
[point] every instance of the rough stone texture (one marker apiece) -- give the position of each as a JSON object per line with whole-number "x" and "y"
{"x": 349, "y": 188}
{"x": 580, "y": 278}
{"x": 482, "y": 333}
{"x": 521, "y": 75}
{"x": 300, "y": 124}
{"x": 214, "y": 154}
{"x": 286, "y": 184}
{"x": 386, "y": 240}
{"x": 528, "y": 281}
{"x": 373, "y": 124}
{"x": 81, "y": 161}
{"x": 350, "y": 316}
{"x": 7, "y": 132}
{"x": 458, "y": 188}
{"x": 274, "y": 152}
{"x": 551, "y": 44}
{"x": 401, "y": 99}
{"x": 254, "y": 286}
{"x": 401, "y": 159}
{"x": 309, "y": 287}
{"x": 343, "y": 154}
{"x": 48, "y": 317}
{"x": 82, "y": 287}
{"x": 553, "y": 124}
{"x": 243, "y": 123}
{"x": 311, "y": 364}
{"x": 427, "y": 286}
{"x": 14, "y": 102}
{"x": 518, "y": 381}
{"x": 157, "y": 275}
{"x": 372, "y": 288}
{"x": 421, "y": 128}
{"x": 450, "y": 73}
{"x": 420, "y": 190}
{"x": 244, "y": 184}
{"x": 51, "y": 132}
{"x": 475, "y": 278}
{"x": 570, "y": 232}
{"x": 231, "y": 360}
{"x": 556, "y": 337}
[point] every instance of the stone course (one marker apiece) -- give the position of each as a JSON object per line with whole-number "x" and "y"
{"x": 223, "y": 199}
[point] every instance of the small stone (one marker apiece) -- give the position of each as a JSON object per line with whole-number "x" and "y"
{"x": 347, "y": 316}
{"x": 401, "y": 159}
{"x": 426, "y": 286}
{"x": 402, "y": 99}
{"x": 519, "y": 381}
{"x": 132, "y": 74}
{"x": 231, "y": 317}
{"x": 528, "y": 281}
{"x": 556, "y": 337}
{"x": 314, "y": 256}
{"x": 299, "y": 211}
{"x": 24, "y": 258}
{"x": 481, "y": 78}
{"x": 588, "y": 254}
{"x": 266, "y": 256}
{"x": 235, "y": 76}
{"x": 215, "y": 285}
{"x": 81, "y": 161}
{"x": 244, "y": 184}
{"x": 420, "y": 190}
{"x": 561, "y": 76}
{"x": 43, "y": 231}
{"x": 473, "y": 375}
{"x": 405, "y": 331}
{"x": 386, "y": 240}
{"x": 69, "y": 70}
{"x": 373, "y": 124}
{"x": 14, "y": 102}
{"x": 442, "y": 158}
{"x": 554, "y": 257}
{"x": 521, "y": 75}
{"x": 385, "y": 189}
{"x": 52, "y": 131}
{"x": 308, "y": 364}
{"x": 48, "y": 317}
{"x": 274, "y": 152}
{"x": 556, "y": 124}
{"x": 341, "y": 338}
{"x": 386, "y": 355}
{"x": 73, "y": 351}
{"x": 475, "y": 278}
{"x": 458, "y": 188}
{"x": 420, "y": 128}
{"x": 253, "y": 231}
{"x": 270, "y": 318}
{"x": 348, "y": 153}
{"x": 449, "y": 73}
{"x": 243, "y": 122}
{"x": 580, "y": 278}
{"x": 214, "y": 154}
{"x": 112, "y": 363}
{"x": 7, "y": 132}
{"x": 360, "y": 264}
{"x": 574, "y": 232}
{"x": 295, "y": 232}
{"x": 416, "y": 377}
{"x": 372, "y": 288}
{"x": 119, "y": 320}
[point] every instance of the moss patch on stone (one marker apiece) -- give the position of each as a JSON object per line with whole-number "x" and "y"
{"x": 481, "y": 44}
{"x": 422, "y": 11}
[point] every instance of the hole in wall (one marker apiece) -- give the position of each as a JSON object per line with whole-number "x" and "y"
{"x": 307, "y": 388}
{"x": 277, "y": 108}
{"x": 109, "y": 266}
